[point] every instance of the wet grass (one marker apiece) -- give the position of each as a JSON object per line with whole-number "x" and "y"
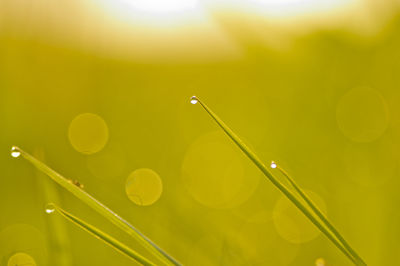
{"x": 92, "y": 202}
{"x": 299, "y": 199}
{"x": 294, "y": 193}
{"x": 112, "y": 242}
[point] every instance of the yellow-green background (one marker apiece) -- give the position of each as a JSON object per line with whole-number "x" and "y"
{"x": 278, "y": 85}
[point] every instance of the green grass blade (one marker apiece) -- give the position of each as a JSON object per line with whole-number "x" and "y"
{"x": 49, "y": 192}
{"x": 114, "y": 243}
{"x": 323, "y": 218}
{"x": 254, "y": 158}
{"x": 98, "y": 206}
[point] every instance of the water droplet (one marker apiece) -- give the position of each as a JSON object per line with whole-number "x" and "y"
{"x": 15, "y": 152}
{"x": 50, "y": 208}
{"x": 273, "y": 165}
{"x": 193, "y": 100}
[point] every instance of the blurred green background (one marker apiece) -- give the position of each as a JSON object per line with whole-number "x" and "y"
{"x": 99, "y": 90}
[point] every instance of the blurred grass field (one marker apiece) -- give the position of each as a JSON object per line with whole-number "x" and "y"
{"x": 100, "y": 90}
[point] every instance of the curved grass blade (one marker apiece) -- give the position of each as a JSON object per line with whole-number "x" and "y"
{"x": 114, "y": 243}
{"x": 254, "y": 158}
{"x": 98, "y": 206}
{"x": 318, "y": 212}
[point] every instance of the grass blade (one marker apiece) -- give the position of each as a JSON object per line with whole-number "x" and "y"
{"x": 48, "y": 191}
{"x": 260, "y": 165}
{"x": 98, "y": 206}
{"x": 323, "y": 218}
{"x": 114, "y": 243}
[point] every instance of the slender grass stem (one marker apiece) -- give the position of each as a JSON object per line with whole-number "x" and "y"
{"x": 114, "y": 243}
{"x": 49, "y": 192}
{"x": 323, "y": 218}
{"x": 98, "y": 206}
{"x": 256, "y": 160}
